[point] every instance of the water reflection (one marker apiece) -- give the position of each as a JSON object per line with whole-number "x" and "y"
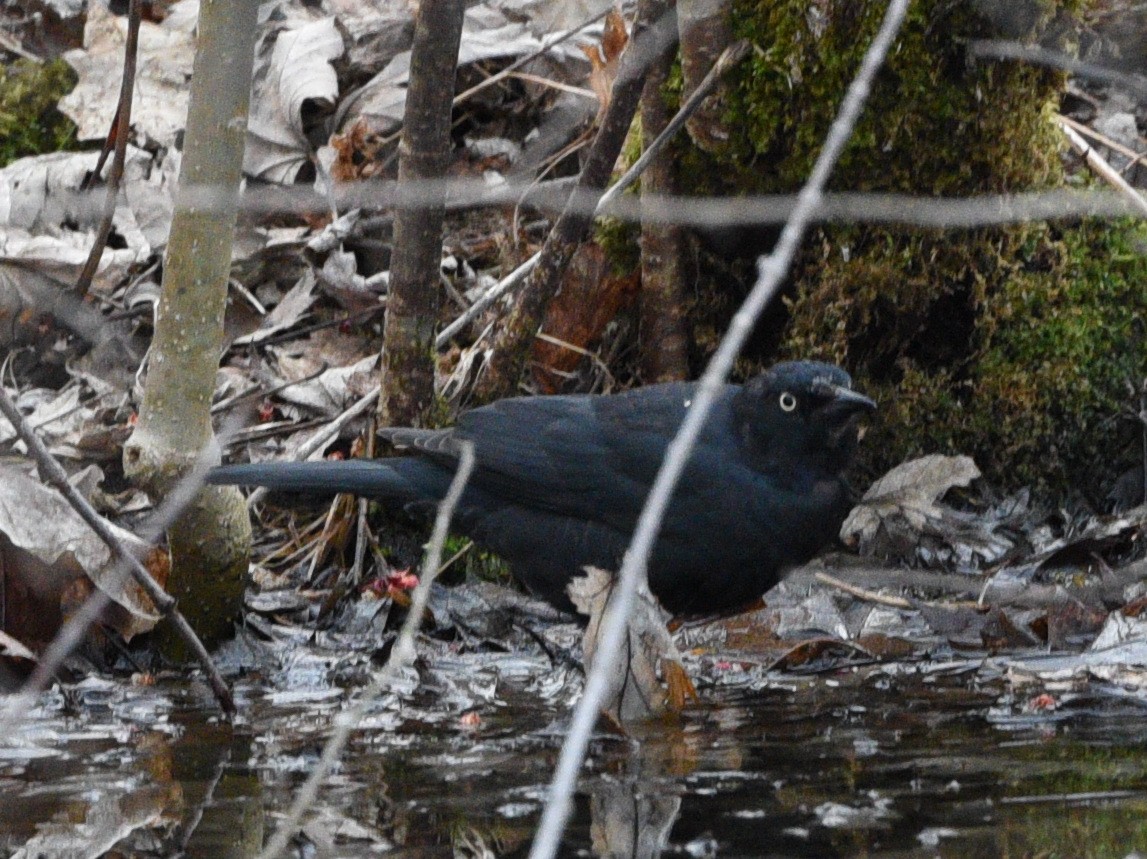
{"x": 874, "y": 761}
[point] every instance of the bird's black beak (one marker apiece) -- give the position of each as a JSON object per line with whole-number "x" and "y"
{"x": 844, "y": 401}
{"x": 841, "y": 410}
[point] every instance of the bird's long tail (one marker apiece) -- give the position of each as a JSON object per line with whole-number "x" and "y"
{"x": 372, "y": 478}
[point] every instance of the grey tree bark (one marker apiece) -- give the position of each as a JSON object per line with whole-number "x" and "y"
{"x": 211, "y": 541}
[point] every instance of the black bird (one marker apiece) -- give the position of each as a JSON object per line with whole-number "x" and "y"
{"x": 560, "y": 481}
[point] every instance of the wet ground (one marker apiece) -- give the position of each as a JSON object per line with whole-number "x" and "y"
{"x": 953, "y": 758}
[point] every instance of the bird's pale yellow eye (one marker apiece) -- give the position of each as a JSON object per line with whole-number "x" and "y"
{"x": 788, "y": 401}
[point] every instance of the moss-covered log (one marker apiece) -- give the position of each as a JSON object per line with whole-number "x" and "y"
{"x": 1012, "y": 344}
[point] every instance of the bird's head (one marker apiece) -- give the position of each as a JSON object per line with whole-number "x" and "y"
{"x": 800, "y": 415}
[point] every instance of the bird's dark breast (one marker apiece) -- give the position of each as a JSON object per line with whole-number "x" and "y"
{"x": 741, "y": 545}
{"x": 718, "y": 550}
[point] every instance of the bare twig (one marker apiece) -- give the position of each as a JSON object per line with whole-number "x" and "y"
{"x": 321, "y": 439}
{"x": 731, "y": 56}
{"x": 552, "y": 84}
{"x": 478, "y": 307}
{"x": 362, "y": 537}
{"x": 633, "y": 571}
{"x": 54, "y": 475}
{"x": 121, "y": 126}
{"x": 401, "y": 655}
{"x": 1089, "y": 132}
{"x": 653, "y": 28}
{"x": 1108, "y": 173}
{"x": 863, "y": 593}
{"x": 755, "y": 209}
{"x": 528, "y": 58}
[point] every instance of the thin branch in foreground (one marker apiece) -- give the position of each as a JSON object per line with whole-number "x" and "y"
{"x": 52, "y": 473}
{"x": 1002, "y": 49}
{"x": 120, "y": 125}
{"x": 401, "y": 655}
{"x": 771, "y": 270}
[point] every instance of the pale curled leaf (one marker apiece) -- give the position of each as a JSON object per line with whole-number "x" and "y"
{"x": 296, "y": 72}
{"x": 36, "y": 519}
{"x": 635, "y": 692}
{"x": 166, "y": 53}
{"x": 908, "y": 492}
{"x": 10, "y": 648}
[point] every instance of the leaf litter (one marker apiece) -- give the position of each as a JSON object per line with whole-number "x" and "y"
{"x": 987, "y": 606}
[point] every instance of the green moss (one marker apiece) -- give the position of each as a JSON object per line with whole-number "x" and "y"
{"x": 928, "y": 103}
{"x": 620, "y": 241}
{"x": 29, "y": 121}
{"x": 1013, "y": 344}
{"x": 1061, "y": 341}
{"x": 473, "y": 562}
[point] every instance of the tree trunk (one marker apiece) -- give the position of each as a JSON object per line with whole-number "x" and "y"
{"x": 211, "y": 541}
{"x": 664, "y": 355}
{"x": 407, "y": 385}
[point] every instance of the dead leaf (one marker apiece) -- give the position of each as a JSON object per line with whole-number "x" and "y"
{"x": 287, "y": 312}
{"x": 294, "y": 79}
{"x": 590, "y": 297}
{"x": 47, "y": 547}
{"x": 635, "y": 692}
{"x": 910, "y": 490}
{"x": 604, "y": 59}
{"x": 900, "y": 517}
{"x": 166, "y": 52}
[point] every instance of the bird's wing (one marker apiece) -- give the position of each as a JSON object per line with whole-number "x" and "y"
{"x": 591, "y": 458}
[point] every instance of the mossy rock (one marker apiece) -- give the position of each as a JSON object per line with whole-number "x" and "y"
{"x": 30, "y": 124}
{"x": 1013, "y": 344}
{"x": 1025, "y": 361}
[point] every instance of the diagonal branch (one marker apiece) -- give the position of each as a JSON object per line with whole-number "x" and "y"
{"x": 771, "y": 270}
{"x": 53, "y": 474}
{"x": 651, "y": 31}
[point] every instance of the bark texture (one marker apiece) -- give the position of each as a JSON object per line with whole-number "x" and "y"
{"x": 211, "y": 541}
{"x": 706, "y": 30}
{"x": 407, "y": 385}
{"x": 664, "y": 353}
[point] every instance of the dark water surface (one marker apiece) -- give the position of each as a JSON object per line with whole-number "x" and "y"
{"x": 928, "y": 759}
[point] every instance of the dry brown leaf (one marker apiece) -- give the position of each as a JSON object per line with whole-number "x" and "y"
{"x": 589, "y": 298}
{"x": 46, "y": 548}
{"x": 635, "y": 692}
{"x": 603, "y": 58}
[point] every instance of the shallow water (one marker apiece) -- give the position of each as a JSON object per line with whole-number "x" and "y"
{"x": 919, "y": 759}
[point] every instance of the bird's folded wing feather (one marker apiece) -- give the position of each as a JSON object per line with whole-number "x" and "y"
{"x": 589, "y": 458}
